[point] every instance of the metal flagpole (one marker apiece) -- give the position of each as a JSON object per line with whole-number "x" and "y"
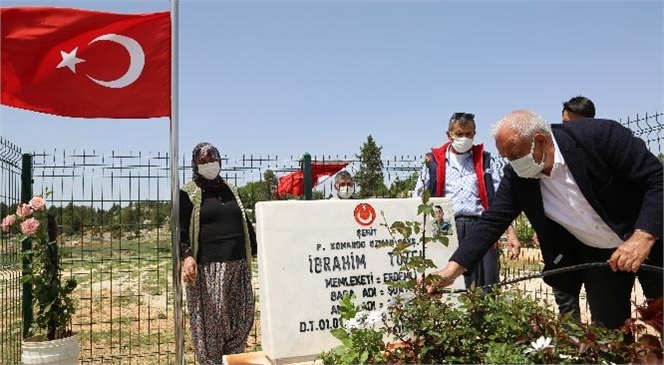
{"x": 175, "y": 190}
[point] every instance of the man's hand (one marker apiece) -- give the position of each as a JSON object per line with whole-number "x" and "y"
{"x": 513, "y": 244}
{"x": 630, "y": 255}
{"x": 536, "y": 240}
{"x": 513, "y": 248}
{"x": 448, "y": 274}
{"x": 189, "y": 270}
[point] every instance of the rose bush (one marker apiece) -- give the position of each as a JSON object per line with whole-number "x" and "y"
{"x": 505, "y": 327}
{"x": 52, "y": 297}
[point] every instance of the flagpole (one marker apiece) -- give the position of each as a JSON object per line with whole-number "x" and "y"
{"x": 175, "y": 191}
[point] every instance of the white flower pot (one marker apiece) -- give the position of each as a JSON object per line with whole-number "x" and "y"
{"x": 62, "y": 351}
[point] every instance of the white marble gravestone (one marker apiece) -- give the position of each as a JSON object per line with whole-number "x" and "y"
{"x": 311, "y": 252}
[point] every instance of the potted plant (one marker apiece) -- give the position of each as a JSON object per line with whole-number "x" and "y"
{"x": 51, "y": 339}
{"x": 505, "y": 327}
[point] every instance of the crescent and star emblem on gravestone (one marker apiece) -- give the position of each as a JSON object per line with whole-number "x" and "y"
{"x": 364, "y": 214}
{"x": 136, "y": 60}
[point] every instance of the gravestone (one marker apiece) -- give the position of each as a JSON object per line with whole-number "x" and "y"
{"x": 312, "y": 252}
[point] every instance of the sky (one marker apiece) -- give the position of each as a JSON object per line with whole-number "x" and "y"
{"x": 285, "y": 77}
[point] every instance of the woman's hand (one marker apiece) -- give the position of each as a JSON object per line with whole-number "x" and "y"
{"x": 189, "y": 270}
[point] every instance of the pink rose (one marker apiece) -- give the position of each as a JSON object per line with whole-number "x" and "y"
{"x": 23, "y": 211}
{"x": 37, "y": 203}
{"x": 7, "y": 222}
{"x": 29, "y": 227}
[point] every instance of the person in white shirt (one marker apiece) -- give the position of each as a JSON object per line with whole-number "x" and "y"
{"x": 576, "y": 108}
{"x": 593, "y": 193}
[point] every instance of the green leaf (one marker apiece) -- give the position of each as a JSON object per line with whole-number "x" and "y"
{"x": 397, "y": 225}
{"x": 429, "y": 263}
{"x": 426, "y": 196}
{"x": 428, "y": 209}
{"x": 339, "y": 333}
{"x": 364, "y": 356}
{"x": 70, "y": 285}
{"x": 347, "y": 309}
{"x": 444, "y": 240}
{"x": 349, "y": 358}
{"x": 47, "y": 308}
{"x": 382, "y": 244}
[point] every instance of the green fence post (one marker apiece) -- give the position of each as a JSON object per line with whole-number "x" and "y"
{"x": 26, "y": 195}
{"x": 306, "y": 169}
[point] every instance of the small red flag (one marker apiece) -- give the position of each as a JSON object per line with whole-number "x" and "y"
{"x": 321, "y": 171}
{"x": 81, "y": 63}
{"x": 293, "y": 183}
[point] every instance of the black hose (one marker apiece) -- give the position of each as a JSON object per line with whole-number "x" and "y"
{"x": 592, "y": 265}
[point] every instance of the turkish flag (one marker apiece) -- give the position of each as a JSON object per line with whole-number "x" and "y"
{"x": 293, "y": 183}
{"x": 89, "y": 64}
{"x": 321, "y": 171}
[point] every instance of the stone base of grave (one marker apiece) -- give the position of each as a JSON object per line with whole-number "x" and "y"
{"x": 258, "y": 358}
{"x": 247, "y": 358}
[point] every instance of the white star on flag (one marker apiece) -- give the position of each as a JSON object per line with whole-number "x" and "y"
{"x": 70, "y": 60}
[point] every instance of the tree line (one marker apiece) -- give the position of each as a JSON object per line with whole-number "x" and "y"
{"x": 75, "y": 218}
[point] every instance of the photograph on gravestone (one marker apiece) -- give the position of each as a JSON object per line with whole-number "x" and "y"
{"x": 310, "y": 253}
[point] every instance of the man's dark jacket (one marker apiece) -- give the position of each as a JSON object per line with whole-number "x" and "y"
{"x": 616, "y": 173}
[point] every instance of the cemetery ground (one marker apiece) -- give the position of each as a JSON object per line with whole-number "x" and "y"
{"x": 125, "y": 298}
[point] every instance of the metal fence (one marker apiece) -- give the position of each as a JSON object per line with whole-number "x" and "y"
{"x": 116, "y": 243}
{"x": 113, "y": 210}
{"x": 650, "y": 128}
{"x": 10, "y": 259}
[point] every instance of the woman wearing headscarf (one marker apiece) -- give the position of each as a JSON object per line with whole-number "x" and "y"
{"x": 217, "y": 243}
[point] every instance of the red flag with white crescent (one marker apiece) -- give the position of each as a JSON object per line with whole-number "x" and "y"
{"x": 321, "y": 171}
{"x": 81, "y": 63}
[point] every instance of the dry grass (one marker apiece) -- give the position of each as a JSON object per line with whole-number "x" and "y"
{"x": 125, "y": 314}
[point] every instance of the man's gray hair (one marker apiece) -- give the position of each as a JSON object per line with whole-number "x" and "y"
{"x": 343, "y": 175}
{"x": 524, "y": 122}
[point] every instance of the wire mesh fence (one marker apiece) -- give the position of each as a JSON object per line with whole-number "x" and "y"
{"x": 10, "y": 260}
{"x": 112, "y": 211}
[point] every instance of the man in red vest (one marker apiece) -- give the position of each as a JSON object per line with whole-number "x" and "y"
{"x": 463, "y": 172}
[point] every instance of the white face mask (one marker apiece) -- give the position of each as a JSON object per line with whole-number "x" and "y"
{"x": 209, "y": 170}
{"x": 462, "y": 144}
{"x": 345, "y": 192}
{"x": 526, "y": 167}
